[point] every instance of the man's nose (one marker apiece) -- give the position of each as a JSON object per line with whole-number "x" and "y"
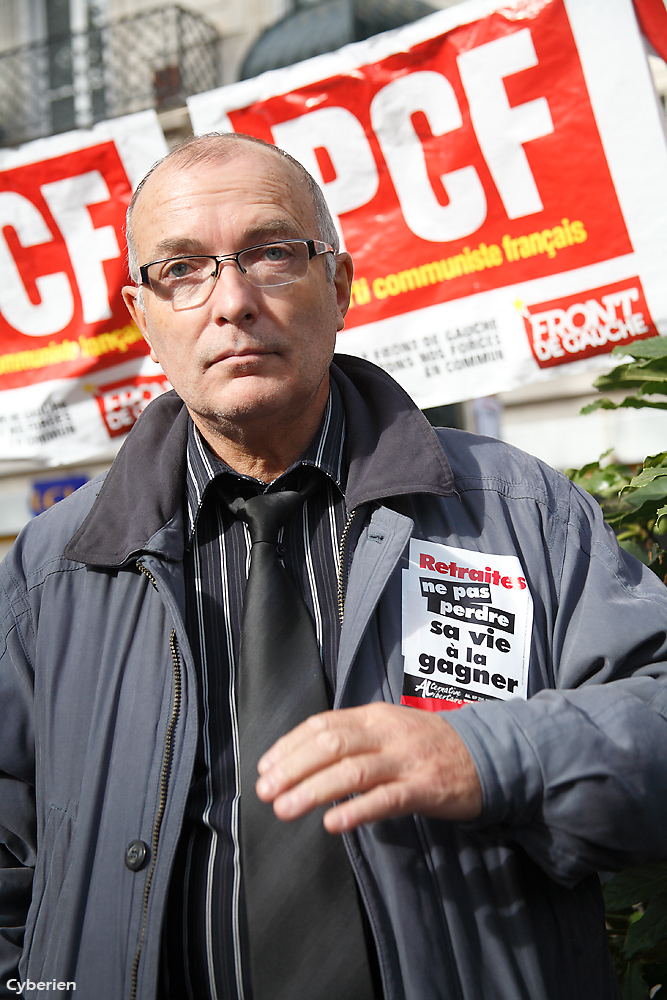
{"x": 233, "y": 297}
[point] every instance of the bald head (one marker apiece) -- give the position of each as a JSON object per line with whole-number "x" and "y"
{"x": 220, "y": 148}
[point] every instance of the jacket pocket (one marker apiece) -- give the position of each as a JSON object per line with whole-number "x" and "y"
{"x": 54, "y": 859}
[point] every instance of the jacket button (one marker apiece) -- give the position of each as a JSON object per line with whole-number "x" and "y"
{"x": 136, "y": 855}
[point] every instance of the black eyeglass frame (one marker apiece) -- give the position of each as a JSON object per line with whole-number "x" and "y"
{"x": 315, "y": 248}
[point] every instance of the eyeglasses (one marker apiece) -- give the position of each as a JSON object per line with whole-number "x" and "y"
{"x": 187, "y": 282}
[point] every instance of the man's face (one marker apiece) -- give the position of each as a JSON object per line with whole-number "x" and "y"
{"x": 248, "y": 356}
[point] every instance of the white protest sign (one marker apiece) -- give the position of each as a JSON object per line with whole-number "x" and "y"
{"x": 467, "y": 619}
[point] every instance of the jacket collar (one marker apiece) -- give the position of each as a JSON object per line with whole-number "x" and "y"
{"x": 392, "y": 450}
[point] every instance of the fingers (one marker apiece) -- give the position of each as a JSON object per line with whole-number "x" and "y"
{"x": 391, "y": 760}
{"x": 320, "y": 740}
{"x": 384, "y": 802}
{"x": 349, "y": 776}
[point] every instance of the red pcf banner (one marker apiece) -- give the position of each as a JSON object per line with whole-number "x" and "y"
{"x": 468, "y": 162}
{"x": 62, "y": 250}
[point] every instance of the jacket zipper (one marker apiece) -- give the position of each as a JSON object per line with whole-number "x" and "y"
{"x": 341, "y": 567}
{"x": 166, "y": 757}
{"x": 341, "y": 612}
{"x": 164, "y": 785}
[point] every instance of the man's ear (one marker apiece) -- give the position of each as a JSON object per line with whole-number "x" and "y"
{"x": 131, "y": 298}
{"x": 343, "y": 283}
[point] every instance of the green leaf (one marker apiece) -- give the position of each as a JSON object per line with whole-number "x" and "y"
{"x": 649, "y": 372}
{"x": 629, "y": 403}
{"x": 598, "y": 404}
{"x": 635, "y": 885}
{"x": 650, "y": 475}
{"x": 652, "y": 347}
{"x": 642, "y": 403}
{"x": 635, "y": 549}
{"x": 639, "y": 522}
{"x": 634, "y": 987}
{"x": 660, "y": 527}
{"x": 650, "y": 930}
{"x": 601, "y": 481}
{"x": 634, "y": 506}
{"x": 647, "y": 375}
{"x": 651, "y": 489}
{"x": 633, "y": 377}
{"x": 646, "y": 368}
{"x": 650, "y": 485}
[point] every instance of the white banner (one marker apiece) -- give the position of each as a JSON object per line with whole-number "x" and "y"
{"x": 497, "y": 171}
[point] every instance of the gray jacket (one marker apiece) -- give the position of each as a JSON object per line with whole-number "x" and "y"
{"x": 99, "y": 718}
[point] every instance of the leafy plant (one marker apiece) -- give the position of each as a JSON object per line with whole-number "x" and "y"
{"x": 636, "y": 903}
{"x": 647, "y": 375}
{"x": 634, "y": 503}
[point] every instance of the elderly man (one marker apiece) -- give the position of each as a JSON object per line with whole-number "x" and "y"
{"x": 183, "y": 814}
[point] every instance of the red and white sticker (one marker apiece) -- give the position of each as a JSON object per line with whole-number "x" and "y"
{"x": 122, "y": 402}
{"x": 588, "y": 323}
{"x": 467, "y": 620}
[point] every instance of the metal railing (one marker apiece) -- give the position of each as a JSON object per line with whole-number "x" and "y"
{"x": 152, "y": 60}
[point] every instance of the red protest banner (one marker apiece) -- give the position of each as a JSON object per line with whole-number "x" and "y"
{"x": 74, "y": 371}
{"x": 62, "y": 250}
{"x": 475, "y": 161}
{"x": 458, "y": 137}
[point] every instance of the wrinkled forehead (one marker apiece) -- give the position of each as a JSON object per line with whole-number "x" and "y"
{"x": 238, "y": 176}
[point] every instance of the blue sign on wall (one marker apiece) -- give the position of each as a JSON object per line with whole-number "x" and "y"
{"x": 46, "y": 492}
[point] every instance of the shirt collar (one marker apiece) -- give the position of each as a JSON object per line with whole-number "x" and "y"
{"x": 326, "y": 452}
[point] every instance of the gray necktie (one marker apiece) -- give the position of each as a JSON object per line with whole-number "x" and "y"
{"x": 305, "y": 928}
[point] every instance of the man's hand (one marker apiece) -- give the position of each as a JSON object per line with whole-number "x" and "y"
{"x": 393, "y": 761}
